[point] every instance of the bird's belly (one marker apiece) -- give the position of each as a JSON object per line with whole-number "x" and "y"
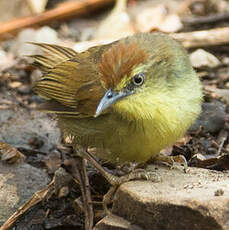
{"x": 124, "y": 148}
{"x": 117, "y": 140}
{"x": 133, "y": 147}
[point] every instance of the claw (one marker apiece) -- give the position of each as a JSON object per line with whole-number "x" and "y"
{"x": 171, "y": 161}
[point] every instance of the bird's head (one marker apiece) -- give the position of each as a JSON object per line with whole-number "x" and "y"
{"x": 137, "y": 70}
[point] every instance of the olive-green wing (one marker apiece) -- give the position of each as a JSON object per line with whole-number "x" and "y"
{"x": 70, "y": 82}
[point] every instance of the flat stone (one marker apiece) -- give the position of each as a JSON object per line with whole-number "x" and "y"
{"x": 18, "y": 183}
{"x": 197, "y": 200}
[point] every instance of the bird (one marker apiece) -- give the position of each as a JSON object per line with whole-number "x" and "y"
{"x": 128, "y": 99}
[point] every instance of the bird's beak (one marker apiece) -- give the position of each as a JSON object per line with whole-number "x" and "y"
{"x": 108, "y": 99}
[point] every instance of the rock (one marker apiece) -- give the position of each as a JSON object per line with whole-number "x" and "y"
{"x": 201, "y": 58}
{"x": 171, "y": 24}
{"x": 47, "y": 34}
{"x": 150, "y": 18}
{"x": 19, "y": 128}
{"x": 21, "y": 47}
{"x": 6, "y": 60}
{"x": 212, "y": 118}
{"x": 181, "y": 200}
{"x": 61, "y": 179}
{"x": 113, "y": 222}
{"x": 18, "y": 183}
{"x": 223, "y": 93}
{"x": 24, "y": 89}
{"x": 156, "y": 17}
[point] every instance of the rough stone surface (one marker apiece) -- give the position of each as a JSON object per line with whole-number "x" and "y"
{"x": 18, "y": 183}
{"x": 19, "y": 127}
{"x": 211, "y": 119}
{"x": 197, "y": 200}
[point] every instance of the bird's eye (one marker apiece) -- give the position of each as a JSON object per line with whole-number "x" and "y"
{"x": 139, "y": 79}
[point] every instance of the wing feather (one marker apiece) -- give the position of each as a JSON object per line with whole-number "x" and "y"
{"x": 70, "y": 82}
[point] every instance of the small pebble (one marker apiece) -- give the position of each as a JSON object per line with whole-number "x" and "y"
{"x": 63, "y": 192}
{"x": 219, "y": 192}
{"x": 24, "y": 89}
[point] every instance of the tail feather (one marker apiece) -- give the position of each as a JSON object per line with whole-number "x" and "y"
{"x": 52, "y": 56}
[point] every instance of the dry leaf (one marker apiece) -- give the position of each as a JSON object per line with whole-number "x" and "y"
{"x": 10, "y": 154}
{"x": 211, "y": 162}
{"x": 15, "y": 84}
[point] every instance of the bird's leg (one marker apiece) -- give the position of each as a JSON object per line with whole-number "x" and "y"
{"x": 138, "y": 174}
{"x": 112, "y": 179}
{"x": 115, "y": 181}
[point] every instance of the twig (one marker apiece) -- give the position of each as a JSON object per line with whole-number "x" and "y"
{"x": 83, "y": 181}
{"x": 63, "y": 11}
{"x": 203, "y": 38}
{"x": 214, "y": 143}
{"x": 213, "y": 18}
{"x": 37, "y": 197}
{"x": 221, "y": 139}
{"x": 88, "y": 198}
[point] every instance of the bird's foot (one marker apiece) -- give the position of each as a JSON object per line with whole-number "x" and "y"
{"x": 140, "y": 174}
{"x": 171, "y": 161}
{"x": 136, "y": 174}
{"x": 115, "y": 181}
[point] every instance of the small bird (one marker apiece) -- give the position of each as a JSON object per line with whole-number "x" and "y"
{"x": 128, "y": 99}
